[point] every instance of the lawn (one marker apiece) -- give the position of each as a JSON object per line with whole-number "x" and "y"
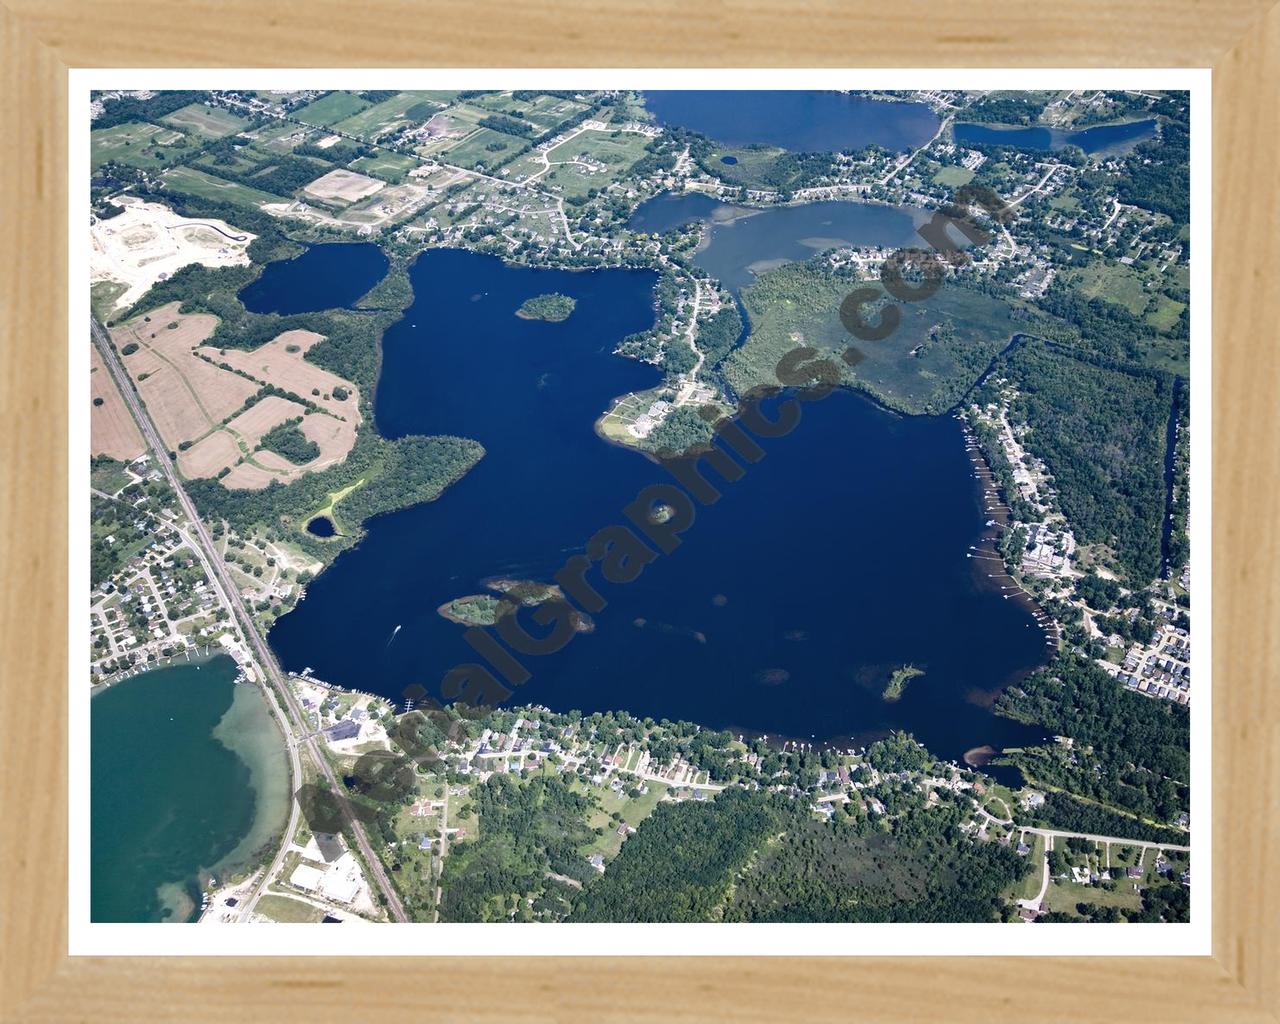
{"x": 392, "y": 167}
{"x": 330, "y": 109}
{"x": 288, "y": 911}
{"x": 1064, "y": 894}
{"x": 135, "y": 144}
{"x": 953, "y": 177}
{"x": 198, "y": 183}
{"x": 211, "y": 122}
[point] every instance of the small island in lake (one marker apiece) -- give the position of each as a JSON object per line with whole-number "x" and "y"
{"x": 484, "y": 609}
{"x": 552, "y": 306}
{"x": 898, "y": 681}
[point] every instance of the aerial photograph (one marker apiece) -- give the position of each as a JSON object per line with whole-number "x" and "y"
{"x": 637, "y": 506}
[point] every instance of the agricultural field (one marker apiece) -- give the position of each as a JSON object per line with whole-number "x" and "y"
{"x": 278, "y": 137}
{"x": 234, "y": 444}
{"x": 206, "y": 121}
{"x": 111, "y": 427}
{"x": 389, "y": 115}
{"x": 329, "y": 110}
{"x": 198, "y": 183}
{"x": 281, "y": 363}
{"x": 391, "y": 167}
{"x": 484, "y": 148}
{"x": 344, "y": 186}
{"x": 941, "y": 346}
{"x": 185, "y": 395}
{"x": 545, "y": 112}
{"x": 147, "y": 146}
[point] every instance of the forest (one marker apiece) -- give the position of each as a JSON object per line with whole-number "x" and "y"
{"x": 528, "y": 829}
{"x": 679, "y": 865}
{"x": 1100, "y": 429}
{"x": 288, "y": 441}
{"x": 918, "y": 867}
{"x": 1139, "y": 747}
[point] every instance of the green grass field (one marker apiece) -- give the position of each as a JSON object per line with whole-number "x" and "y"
{"x": 198, "y": 183}
{"x": 139, "y": 145}
{"x": 474, "y": 151}
{"x": 211, "y": 122}
{"x": 288, "y": 911}
{"x": 330, "y": 109}
{"x": 1165, "y": 313}
{"x": 383, "y": 117}
{"x": 953, "y": 177}
{"x": 392, "y": 167}
{"x": 593, "y": 148}
{"x": 1113, "y": 282}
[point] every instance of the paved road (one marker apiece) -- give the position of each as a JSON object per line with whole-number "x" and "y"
{"x": 292, "y": 721}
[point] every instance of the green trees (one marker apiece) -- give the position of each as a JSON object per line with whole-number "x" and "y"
{"x": 679, "y": 864}
{"x": 1130, "y": 752}
{"x": 1100, "y": 429}
{"x": 287, "y": 439}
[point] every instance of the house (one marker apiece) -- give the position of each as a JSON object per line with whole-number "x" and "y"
{"x": 596, "y": 860}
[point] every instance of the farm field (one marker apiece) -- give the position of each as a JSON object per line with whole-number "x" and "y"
{"x": 329, "y": 110}
{"x": 198, "y": 183}
{"x": 392, "y": 167}
{"x": 111, "y": 428}
{"x": 474, "y": 151}
{"x": 233, "y": 445}
{"x": 280, "y": 363}
{"x": 185, "y": 395}
{"x": 210, "y": 122}
{"x": 344, "y": 186}
{"x": 135, "y": 144}
{"x": 389, "y": 115}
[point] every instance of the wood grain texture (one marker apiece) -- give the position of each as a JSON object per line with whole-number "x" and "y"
{"x": 40, "y": 38}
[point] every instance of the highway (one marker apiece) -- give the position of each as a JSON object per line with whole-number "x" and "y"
{"x": 292, "y": 721}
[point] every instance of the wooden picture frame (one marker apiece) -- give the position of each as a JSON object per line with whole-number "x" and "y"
{"x": 42, "y": 39}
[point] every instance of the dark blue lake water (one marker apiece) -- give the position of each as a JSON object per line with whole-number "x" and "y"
{"x": 1098, "y": 139}
{"x": 839, "y": 557}
{"x": 799, "y": 121}
{"x": 330, "y": 276}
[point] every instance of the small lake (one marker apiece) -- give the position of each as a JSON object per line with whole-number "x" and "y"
{"x": 1101, "y": 138}
{"x": 838, "y": 558}
{"x": 328, "y": 276}
{"x": 796, "y": 120}
{"x": 189, "y": 778}
{"x": 321, "y": 526}
{"x": 741, "y": 242}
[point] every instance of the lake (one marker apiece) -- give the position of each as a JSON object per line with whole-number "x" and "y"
{"x": 795, "y": 120}
{"x": 741, "y": 241}
{"x": 838, "y": 558}
{"x": 329, "y": 276}
{"x": 189, "y": 778}
{"x": 1098, "y": 139}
